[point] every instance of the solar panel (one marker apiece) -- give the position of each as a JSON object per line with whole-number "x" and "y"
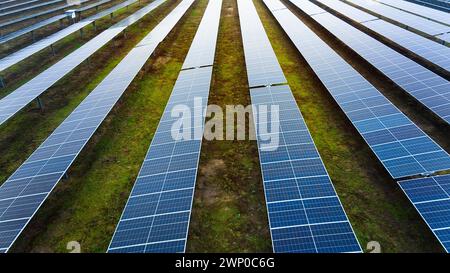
{"x": 402, "y": 147}
{"x": 431, "y": 197}
{"x": 22, "y": 96}
{"x": 36, "y": 15}
{"x": 203, "y": 47}
{"x": 415, "y": 22}
{"x": 156, "y": 216}
{"x": 347, "y": 10}
{"x": 305, "y": 214}
{"x": 93, "y": 5}
{"x": 17, "y": 5}
{"x": 24, "y": 53}
{"x": 443, "y": 5}
{"x": 28, "y": 187}
{"x": 444, "y": 37}
{"x": 308, "y": 7}
{"x": 10, "y": 1}
{"x": 430, "y": 89}
{"x": 429, "y": 50}
{"x": 262, "y": 65}
{"x": 13, "y": 35}
{"x": 429, "y": 13}
{"x": 28, "y": 8}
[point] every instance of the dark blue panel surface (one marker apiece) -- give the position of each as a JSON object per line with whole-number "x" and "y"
{"x": 303, "y": 208}
{"x": 431, "y": 197}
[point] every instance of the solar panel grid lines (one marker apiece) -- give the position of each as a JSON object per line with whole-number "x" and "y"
{"x": 156, "y": 216}
{"x": 261, "y": 63}
{"x": 403, "y": 148}
{"x": 435, "y": 53}
{"x": 25, "y": 52}
{"x": 305, "y": 214}
{"x": 431, "y": 198}
{"x": 22, "y": 96}
{"x": 410, "y": 20}
{"x": 429, "y": 13}
{"x": 428, "y": 88}
{"x": 29, "y": 186}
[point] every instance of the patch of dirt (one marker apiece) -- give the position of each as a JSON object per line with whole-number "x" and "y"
{"x": 209, "y": 192}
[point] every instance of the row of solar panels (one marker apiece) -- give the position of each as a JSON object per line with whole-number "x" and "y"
{"x": 32, "y": 28}
{"x": 13, "y": 6}
{"x": 22, "y": 96}
{"x": 29, "y": 186}
{"x": 11, "y": 11}
{"x": 48, "y": 41}
{"x": 156, "y": 216}
{"x": 443, "y": 5}
{"x": 403, "y": 148}
{"x": 305, "y": 214}
{"x": 430, "y": 89}
{"x": 430, "y": 25}
{"x": 38, "y": 14}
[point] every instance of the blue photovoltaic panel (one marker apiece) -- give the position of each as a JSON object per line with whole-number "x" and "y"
{"x": 436, "y": 53}
{"x": 22, "y": 96}
{"x": 28, "y": 187}
{"x": 308, "y": 7}
{"x": 413, "y": 21}
{"x": 431, "y": 197}
{"x": 429, "y": 13}
{"x": 203, "y": 47}
{"x": 26, "y": 52}
{"x": 159, "y": 206}
{"x": 305, "y": 214}
{"x": 156, "y": 216}
{"x": 347, "y": 10}
{"x": 402, "y": 147}
{"x": 428, "y": 88}
{"x": 429, "y": 50}
{"x": 443, "y": 5}
{"x": 262, "y": 65}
